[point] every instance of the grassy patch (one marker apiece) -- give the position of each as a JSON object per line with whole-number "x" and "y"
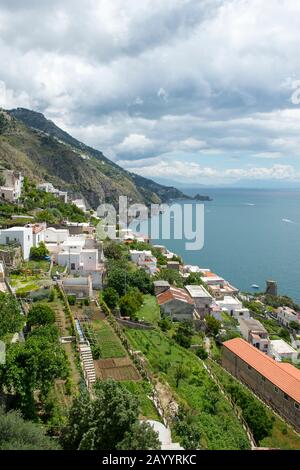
{"x": 219, "y": 427}
{"x": 109, "y": 344}
{"x": 142, "y": 390}
{"x": 149, "y": 311}
{"x": 41, "y": 265}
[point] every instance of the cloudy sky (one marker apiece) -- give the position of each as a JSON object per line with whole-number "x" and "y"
{"x": 194, "y": 91}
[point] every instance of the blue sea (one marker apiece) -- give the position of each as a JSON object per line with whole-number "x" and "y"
{"x": 251, "y": 235}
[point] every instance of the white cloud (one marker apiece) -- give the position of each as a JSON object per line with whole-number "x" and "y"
{"x": 191, "y": 171}
{"x": 212, "y": 80}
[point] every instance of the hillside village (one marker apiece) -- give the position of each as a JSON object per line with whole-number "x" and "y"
{"x": 212, "y": 367}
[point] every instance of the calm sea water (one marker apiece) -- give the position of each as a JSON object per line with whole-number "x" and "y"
{"x": 250, "y": 236}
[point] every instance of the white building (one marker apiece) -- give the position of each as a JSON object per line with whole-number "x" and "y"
{"x": 56, "y": 235}
{"x": 286, "y": 315}
{"x": 255, "y": 333}
{"x": 202, "y": 298}
{"x": 12, "y": 187}
{"x": 38, "y": 233}
{"x": 79, "y": 258}
{"x": 49, "y": 188}
{"x": 212, "y": 279}
{"x": 19, "y": 235}
{"x": 80, "y": 204}
{"x": 145, "y": 260}
{"x": 281, "y": 350}
{"x": 233, "y": 306}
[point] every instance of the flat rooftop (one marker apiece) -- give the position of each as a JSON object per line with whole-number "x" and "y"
{"x": 253, "y": 324}
{"x": 198, "y": 291}
{"x": 282, "y": 347}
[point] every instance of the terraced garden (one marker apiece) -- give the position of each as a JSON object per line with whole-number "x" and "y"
{"x": 100, "y": 334}
{"x": 218, "y": 425}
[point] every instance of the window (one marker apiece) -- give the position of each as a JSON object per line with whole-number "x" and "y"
{"x": 297, "y": 406}
{"x": 72, "y": 265}
{"x": 263, "y": 379}
{"x": 285, "y": 396}
{"x": 276, "y": 389}
{"x": 249, "y": 367}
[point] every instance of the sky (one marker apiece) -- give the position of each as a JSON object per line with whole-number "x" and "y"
{"x": 189, "y": 91}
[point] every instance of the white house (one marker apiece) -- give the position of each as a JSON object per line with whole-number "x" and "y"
{"x": 212, "y": 279}
{"x": 49, "y": 188}
{"x": 233, "y": 306}
{"x": 177, "y": 303}
{"x": 255, "y": 333}
{"x": 280, "y": 350}
{"x": 80, "y": 204}
{"x": 20, "y": 235}
{"x": 12, "y": 187}
{"x": 202, "y": 299}
{"x": 38, "y": 233}
{"x": 56, "y": 235}
{"x": 286, "y": 315}
{"x": 76, "y": 254}
{"x": 145, "y": 260}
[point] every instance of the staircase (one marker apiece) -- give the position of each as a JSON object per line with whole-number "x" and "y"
{"x": 87, "y": 363}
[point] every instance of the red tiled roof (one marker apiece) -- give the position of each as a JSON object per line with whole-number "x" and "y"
{"x": 174, "y": 293}
{"x": 282, "y": 375}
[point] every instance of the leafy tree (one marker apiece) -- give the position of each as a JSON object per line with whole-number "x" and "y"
{"x": 187, "y": 429}
{"x": 142, "y": 280}
{"x": 254, "y": 412}
{"x": 107, "y": 422}
{"x": 184, "y": 333}
{"x": 284, "y": 334}
{"x": 40, "y": 314}
{"x": 110, "y": 297}
{"x": 114, "y": 251}
{"x": 294, "y": 325}
{"x": 140, "y": 437}
{"x": 33, "y": 365}
{"x": 165, "y": 324}
{"x": 118, "y": 279}
{"x": 202, "y": 353}
{"x": 130, "y": 303}
{"x": 213, "y": 325}
{"x": 38, "y": 253}
{"x": 11, "y": 319}
{"x": 193, "y": 279}
{"x": 17, "y": 434}
{"x": 170, "y": 275}
{"x": 180, "y": 373}
{"x": 72, "y": 299}
{"x": 211, "y": 398}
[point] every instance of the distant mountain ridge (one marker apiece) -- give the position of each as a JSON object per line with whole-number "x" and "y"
{"x": 41, "y": 150}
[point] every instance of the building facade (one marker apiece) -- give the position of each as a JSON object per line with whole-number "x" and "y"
{"x": 22, "y": 236}
{"x": 278, "y": 384}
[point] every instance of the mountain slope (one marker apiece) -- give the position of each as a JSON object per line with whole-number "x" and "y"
{"x": 44, "y": 152}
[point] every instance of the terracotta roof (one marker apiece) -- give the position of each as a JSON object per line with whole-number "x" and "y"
{"x": 282, "y": 375}
{"x": 290, "y": 368}
{"x": 174, "y": 294}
